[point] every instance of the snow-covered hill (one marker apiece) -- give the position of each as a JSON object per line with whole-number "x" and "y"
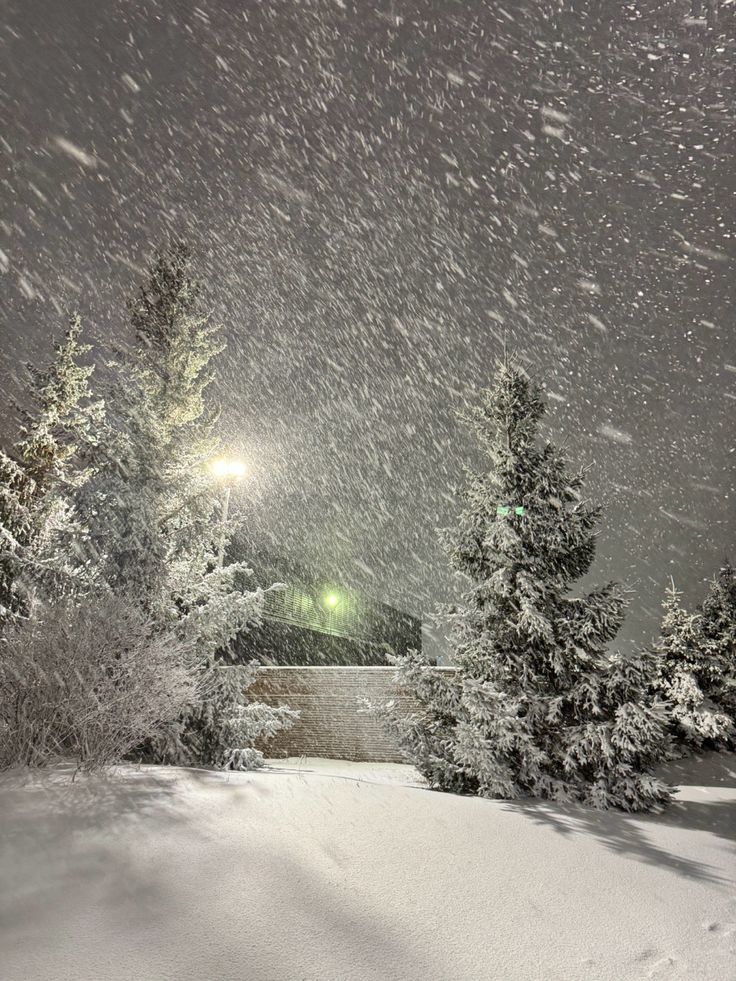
{"x": 321, "y": 871}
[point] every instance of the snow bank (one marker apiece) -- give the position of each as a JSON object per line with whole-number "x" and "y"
{"x": 332, "y": 871}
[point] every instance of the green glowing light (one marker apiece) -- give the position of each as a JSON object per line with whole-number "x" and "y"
{"x": 503, "y": 509}
{"x": 332, "y": 599}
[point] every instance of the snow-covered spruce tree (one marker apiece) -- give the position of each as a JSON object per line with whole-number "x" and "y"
{"x": 692, "y": 675}
{"x": 17, "y": 493}
{"x": 718, "y": 625}
{"x": 222, "y": 726}
{"x": 41, "y": 553}
{"x": 537, "y": 707}
{"x": 154, "y": 509}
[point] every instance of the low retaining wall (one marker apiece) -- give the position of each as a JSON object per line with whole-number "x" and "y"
{"x": 328, "y": 699}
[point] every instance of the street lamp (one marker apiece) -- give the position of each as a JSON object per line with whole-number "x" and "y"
{"x": 330, "y": 600}
{"x": 228, "y": 471}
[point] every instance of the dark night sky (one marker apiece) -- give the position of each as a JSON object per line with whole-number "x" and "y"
{"x": 376, "y": 192}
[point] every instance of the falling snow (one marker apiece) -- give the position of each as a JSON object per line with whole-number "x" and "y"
{"x": 380, "y": 197}
{"x": 73, "y": 151}
{"x": 617, "y": 435}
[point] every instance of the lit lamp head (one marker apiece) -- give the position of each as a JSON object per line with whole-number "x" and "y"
{"x": 228, "y": 470}
{"x": 331, "y": 600}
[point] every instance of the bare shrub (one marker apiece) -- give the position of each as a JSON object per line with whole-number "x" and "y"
{"x": 87, "y": 682}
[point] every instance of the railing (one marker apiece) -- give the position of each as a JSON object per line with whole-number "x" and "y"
{"x": 350, "y": 617}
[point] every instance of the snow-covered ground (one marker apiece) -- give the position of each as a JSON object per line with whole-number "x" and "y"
{"x": 327, "y": 871}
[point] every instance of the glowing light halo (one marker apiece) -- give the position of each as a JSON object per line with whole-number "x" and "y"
{"x": 228, "y": 468}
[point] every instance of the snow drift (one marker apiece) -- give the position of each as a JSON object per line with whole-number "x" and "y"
{"x": 322, "y": 871}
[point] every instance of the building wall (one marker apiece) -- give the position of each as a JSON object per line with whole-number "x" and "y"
{"x": 312, "y": 604}
{"x": 298, "y": 629}
{"x": 328, "y": 698}
{"x": 276, "y": 643}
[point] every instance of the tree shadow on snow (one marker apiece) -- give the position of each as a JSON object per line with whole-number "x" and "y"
{"x": 717, "y": 816}
{"x": 354, "y": 937}
{"x": 59, "y": 837}
{"x": 635, "y": 835}
{"x": 716, "y": 770}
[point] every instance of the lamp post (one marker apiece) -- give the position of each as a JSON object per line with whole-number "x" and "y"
{"x": 228, "y": 471}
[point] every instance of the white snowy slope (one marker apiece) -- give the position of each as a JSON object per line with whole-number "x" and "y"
{"x": 327, "y": 871}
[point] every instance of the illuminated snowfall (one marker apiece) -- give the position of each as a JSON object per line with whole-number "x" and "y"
{"x": 379, "y": 195}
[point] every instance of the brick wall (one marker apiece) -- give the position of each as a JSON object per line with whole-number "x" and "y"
{"x": 328, "y": 699}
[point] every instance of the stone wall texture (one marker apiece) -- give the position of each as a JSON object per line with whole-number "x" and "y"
{"x": 328, "y": 698}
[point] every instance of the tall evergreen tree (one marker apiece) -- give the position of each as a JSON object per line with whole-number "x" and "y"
{"x": 150, "y": 497}
{"x": 37, "y": 520}
{"x": 152, "y": 506}
{"x": 718, "y": 619}
{"x": 693, "y": 672}
{"x": 64, "y": 417}
{"x": 153, "y": 500}
{"x": 536, "y": 707}
{"x": 17, "y": 494}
